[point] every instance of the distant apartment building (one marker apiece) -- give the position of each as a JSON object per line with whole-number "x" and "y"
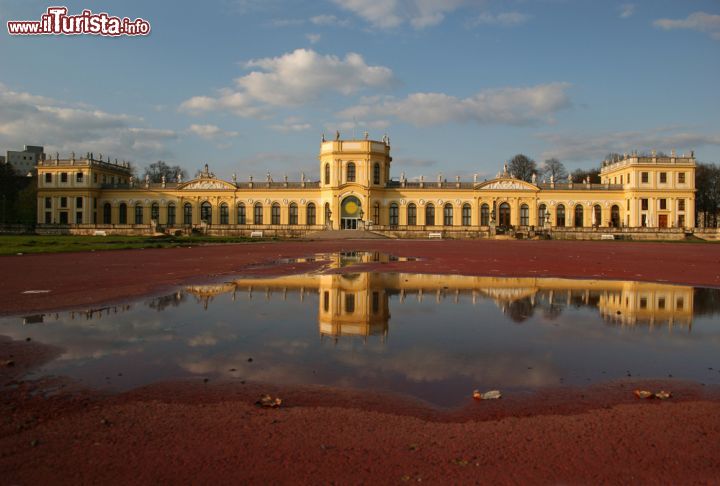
{"x": 25, "y": 161}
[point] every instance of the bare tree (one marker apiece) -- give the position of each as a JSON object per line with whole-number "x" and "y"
{"x": 523, "y": 167}
{"x": 159, "y": 169}
{"x": 553, "y": 167}
{"x": 579, "y": 175}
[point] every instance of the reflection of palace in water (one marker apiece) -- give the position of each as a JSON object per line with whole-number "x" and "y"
{"x": 357, "y": 304}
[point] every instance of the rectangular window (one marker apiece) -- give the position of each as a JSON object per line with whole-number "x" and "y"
{"x": 63, "y": 202}
{"x": 621, "y": 179}
{"x": 48, "y": 178}
{"x": 643, "y": 302}
{"x": 681, "y": 205}
{"x": 48, "y": 217}
{"x": 663, "y": 203}
{"x": 78, "y": 217}
{"x": 79, "y": 177}
{"x": 663, "y": 177}
{"x": 48, "y": 203}
{"x": 679, "y": 303}
{"x": 681, "y": 178}
{"x": 63, "y": 217}
{"x": 644, "y": 177}
{"x": 644, "y": 204}
{"x": 78, "y": 202}
{"x": 63, "y": 177}
{"x": 681, "y": 221}
{"x": 349, "y": 303}
{"x": 661, "y": 303}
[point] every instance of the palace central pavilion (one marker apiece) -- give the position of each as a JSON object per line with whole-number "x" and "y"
{"x": 355, "y": 191}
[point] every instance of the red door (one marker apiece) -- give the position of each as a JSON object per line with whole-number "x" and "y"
{"x": 662, "y": 220}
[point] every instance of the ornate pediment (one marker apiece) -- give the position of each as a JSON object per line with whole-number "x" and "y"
{"x": 212, "y": 184}
{"x": 507, "y": 184}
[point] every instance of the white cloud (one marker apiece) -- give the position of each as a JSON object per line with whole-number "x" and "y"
{"x": 699, "y": 21}
{"x": 627, "y": 10}
{"x": 393, "y": 13}
{"x": 504, "y": 19}
{"x": 293, "y": 79}
{"x": 593, "y": 147}
{"x": 210, "y": 132}
{"x": 59, "y": 126}
{"x": 512, "y": 106}
{"x": 291, "y": 124}
{"x": 329, "y": 20}
{"x": 313, "y": 38}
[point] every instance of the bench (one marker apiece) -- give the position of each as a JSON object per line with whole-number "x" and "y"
{"x": 435, "y": 235}
{"x": 99, "y": 233}
{"x": 607, "y": 237}
{"x": 256, "y": 234}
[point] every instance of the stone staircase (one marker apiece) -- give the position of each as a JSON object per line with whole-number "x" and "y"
{"x": 344, "y": 235}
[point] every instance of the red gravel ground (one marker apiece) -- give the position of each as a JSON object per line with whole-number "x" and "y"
{"x": 53, "y": 432}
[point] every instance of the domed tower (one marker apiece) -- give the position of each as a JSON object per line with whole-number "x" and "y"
{"x": 365, "y": 162}
{"x": 349, "y": 171}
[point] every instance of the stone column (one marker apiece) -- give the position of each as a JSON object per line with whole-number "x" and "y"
{"x": 690, "y": 213}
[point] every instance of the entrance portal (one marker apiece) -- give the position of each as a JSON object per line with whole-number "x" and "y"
{"x": 662, "y": 221}
{"x": 504, "y": 216}
{"x": 350, "y": 213}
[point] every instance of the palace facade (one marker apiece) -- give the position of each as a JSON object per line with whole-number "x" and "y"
{"x": 652, "y": 194}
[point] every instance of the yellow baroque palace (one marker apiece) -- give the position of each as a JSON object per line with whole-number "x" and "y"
{"x": 650, "y": 195}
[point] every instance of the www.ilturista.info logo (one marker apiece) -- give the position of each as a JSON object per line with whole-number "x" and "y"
{"x": 56, "y": 21}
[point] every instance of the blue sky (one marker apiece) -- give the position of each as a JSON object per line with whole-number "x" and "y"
{"x": 459, "y": 85}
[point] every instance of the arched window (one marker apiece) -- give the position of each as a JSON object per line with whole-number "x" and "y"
{"x": 597, "y": 215}
{"x": 411, "y": 214}
{"x": 241, "y": 214}
{"x": 293, "y": 214}
{"x": 206, "y": 212}
{"x": 155, "y": 212}
{"x": 542, "y": 215}
{"x": 275, "y": 214}
{"x": 578, "y": 216}
{"x": 615, "y": 216}
{"x": 107, "y": 213}
{"x": 138, "y": 213}
{"x": 328, "y": 213}
{"x": 350, "y": 172}
{"x": 224, "y": 214}
{"x": 310, "y": 216}
{"x": 430, "y": 214}
{"x": 123, "y": 213}
{"x": 484, "y": 215}
{"x": 376, "y": 173}
{"x": 258, "y": 214}
{"x": 393, "y": 214}
{"x": 327, "y": 173}
{"x": 448, "y": 215}
{"x": 560, "y": 215}
{"x": 171, "y": 214}
{"x": 466, "y": 215}
{"x": 524, "y": 215}
{"x": 187, "y": 214}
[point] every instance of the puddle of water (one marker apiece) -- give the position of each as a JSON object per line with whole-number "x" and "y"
{"x": 436, "y": 337}
{"x": 332, "y": 261}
